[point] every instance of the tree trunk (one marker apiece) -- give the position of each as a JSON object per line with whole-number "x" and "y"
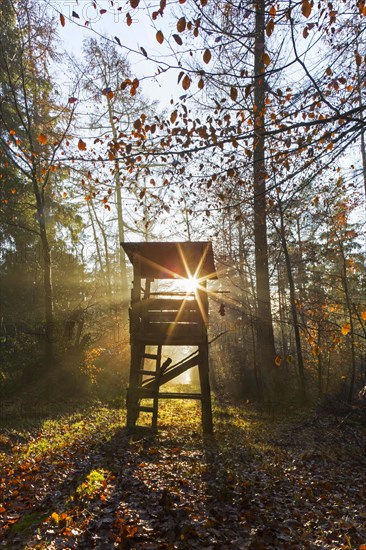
{"x": 47, "y": 276}
{"x": 265, "y": 336}
{"x": 117, "y": 181}
{"x": 351, "y": 333}
{"x": 97, "y": 247}
{"x": 106, "y": 251}
{"x": 295, "y": 319}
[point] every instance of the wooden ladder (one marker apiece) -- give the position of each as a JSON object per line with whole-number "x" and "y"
{"x": 154, "y": 383}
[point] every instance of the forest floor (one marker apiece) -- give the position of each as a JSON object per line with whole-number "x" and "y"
{"x": 288, "y": 480}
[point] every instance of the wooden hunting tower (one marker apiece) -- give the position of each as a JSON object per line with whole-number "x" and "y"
{"x": 167, "y": 318}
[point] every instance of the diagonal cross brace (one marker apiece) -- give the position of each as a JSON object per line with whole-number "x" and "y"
{"x": 173, "y": 372}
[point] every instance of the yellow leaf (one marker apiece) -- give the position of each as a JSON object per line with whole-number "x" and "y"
{"x": 42, "y": 138}
{"x": 207, "y": 56}
{"x": 346, "y": 328}
{"x": 55, "y": 517}
{"x": 278, "y": 360}
{"x": 88, "y": 197}
{"x": 363, "y": 315}
{"x": 160, "y": 37}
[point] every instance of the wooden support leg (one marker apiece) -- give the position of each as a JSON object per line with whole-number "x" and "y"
{"x": 156, "y": 389}
{"x": 207, "y": 425}
{"x": 132, "y": 392}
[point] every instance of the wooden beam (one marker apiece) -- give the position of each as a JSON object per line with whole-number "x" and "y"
{"x": 173, "y": 372}
{"x": 177, "y": 395}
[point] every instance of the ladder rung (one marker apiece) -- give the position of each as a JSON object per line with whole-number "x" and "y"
{"x": 151, "y": 372}
{"x": 147, "y": 409}
{"x": 150, "y": 356}
{"x": 170, "y": 395}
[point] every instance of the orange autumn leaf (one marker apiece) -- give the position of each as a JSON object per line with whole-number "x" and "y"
{"x": 233, "y": 93}
{"x": 181, "y": 24}
{"x": 81, "y": 145}
{"x": 62, "y": 20}
{"x": 186, "y": 82}
{"x": 269, "y": 27}
{"x": 278, "y": 360}
{"x": 160, "y": 37}
{"x": 42, "y": 138}
{"x": 207, "y": 56}
{"x": 306, "y": 8}
{"x": 12, "y": 132}
{"x": 266, "y": 59}
{"x": 346, "y": 328}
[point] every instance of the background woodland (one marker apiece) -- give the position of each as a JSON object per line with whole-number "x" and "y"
{"x": 263, "y": 153}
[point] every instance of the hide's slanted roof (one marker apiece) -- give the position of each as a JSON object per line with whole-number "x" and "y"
{"x": 172, "y": 260}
